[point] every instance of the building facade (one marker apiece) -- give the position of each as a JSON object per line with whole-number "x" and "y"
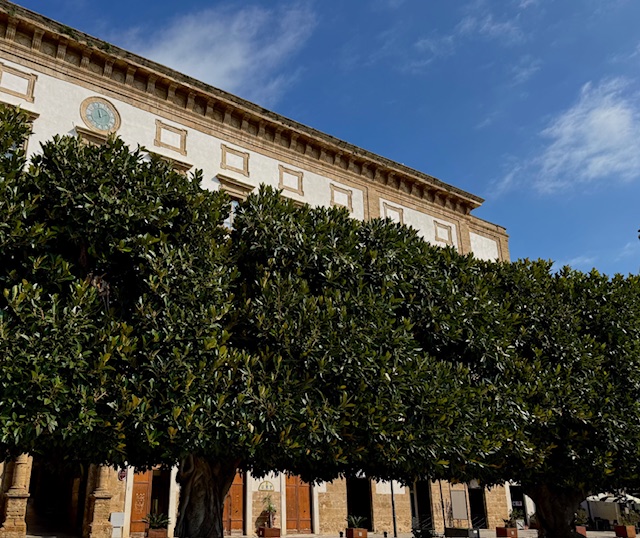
{"x": 73, "y": 84}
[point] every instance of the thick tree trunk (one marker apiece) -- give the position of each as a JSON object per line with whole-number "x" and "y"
{"x": 204, "y": 484}
{"x": 555, "y": 510}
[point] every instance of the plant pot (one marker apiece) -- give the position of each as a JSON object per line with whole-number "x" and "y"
{"x": 508, "y": 532}
{"x": 356, "y": 532}
{"x": 156, "y": 533}
{"x": 461, "y": 533}
{"x": 625, "y": 531}
{"x": 581, "y": 529}
{"x": 269, "y": 532}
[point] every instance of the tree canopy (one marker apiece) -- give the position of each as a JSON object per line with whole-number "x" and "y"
{"x": 134, "y": 327}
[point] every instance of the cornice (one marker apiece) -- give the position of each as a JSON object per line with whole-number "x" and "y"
{"x": 50, "y": 41}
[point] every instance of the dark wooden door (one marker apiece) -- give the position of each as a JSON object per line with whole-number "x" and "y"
{"x": 141, "y": 503}
{"x": 234, "y": 507}
{"x": 298, "y": 505}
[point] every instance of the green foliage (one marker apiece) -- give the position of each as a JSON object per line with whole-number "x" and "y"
{"x": 115, "y": 285}
{"x": 355, "y": 522}
{"x": 630, "y": 517}
{"x": 327, "y": 306}
{"x": 157, "y": 521}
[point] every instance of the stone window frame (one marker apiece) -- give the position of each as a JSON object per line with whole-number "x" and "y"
{"x": 182, "y": 167}
{"x": 31, "y": 117}
{"x": 342, "y": 190}
{"x": 282, "y": 170}
{"x": 31, "y": 79}
{"x": 397, "y": 209}
{"x": 157, "y": 141}
{"x": 244, "y": 155}
{"x": 237, "y": 191}
{"x": 447, "y": 229}
{"x": 91, "y": 137}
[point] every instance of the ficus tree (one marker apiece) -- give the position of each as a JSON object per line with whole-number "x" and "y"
{"x": 569, "y": 378}
{"x": 140, "y": 332}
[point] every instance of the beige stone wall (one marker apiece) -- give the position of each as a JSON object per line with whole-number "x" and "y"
{"x": 332, "y": 507}
{"x": 497, "y": 509}
{"x": 259, "y": 518}
{"x": 383, "y": 512}
{"x": 441, "y": 506}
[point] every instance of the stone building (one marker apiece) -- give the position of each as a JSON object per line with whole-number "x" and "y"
{"x": 71, "y": 83}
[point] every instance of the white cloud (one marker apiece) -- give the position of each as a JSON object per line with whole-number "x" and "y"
{"x": 630, "y": 250}
{"x": 388, "y": 4}
{"x": 479, "y": 22}
{"x": 524, "y": 4}
{"x": 241, "y": 51}
{"x": 597, "y": 140}
{"x": 524, "y": 70}
{"x": 582, "y": 263}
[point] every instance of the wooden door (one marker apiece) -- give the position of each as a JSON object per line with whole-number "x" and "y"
{"x": 298, "y": 505}
{"x": 234, "y": 507}
{"x": 141, "y": 503}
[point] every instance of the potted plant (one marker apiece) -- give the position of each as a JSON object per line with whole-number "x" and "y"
{"x": 268, "y": 530}
{"x": 355, "y": 527}
{"x": 510, "y": 528}
{"x": 581, "y": 521}
{"x": 628, "y": 522}
{"x": 157, "y": 525}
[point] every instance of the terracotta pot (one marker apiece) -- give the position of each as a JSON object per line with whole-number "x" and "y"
{"x": 156, "y": 533}
{"x": 581, "y": 529}
{"x": 355, "y": 532}
{"x": 268, "y": 532}
{"x": 625, "y": 531}
{"x": 508, "y": 532}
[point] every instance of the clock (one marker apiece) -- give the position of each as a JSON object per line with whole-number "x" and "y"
{"x": 100, "y": 115}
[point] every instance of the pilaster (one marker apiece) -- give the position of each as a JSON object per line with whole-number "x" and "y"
{"x": 15, "y": 508}
{"x": 100, "y": 526}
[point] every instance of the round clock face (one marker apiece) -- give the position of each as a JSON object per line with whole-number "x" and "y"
{"x": 100, "y": 115}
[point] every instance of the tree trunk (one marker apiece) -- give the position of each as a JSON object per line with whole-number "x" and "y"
{"x": 204, "y": 485}
{"x": 555, "y": 510}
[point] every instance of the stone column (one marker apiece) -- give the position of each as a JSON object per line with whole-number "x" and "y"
{"x": 100, "y": 526}
{"x": 15, "y": 508}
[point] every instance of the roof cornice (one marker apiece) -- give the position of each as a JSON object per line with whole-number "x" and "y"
{"x": 75, "y": 49}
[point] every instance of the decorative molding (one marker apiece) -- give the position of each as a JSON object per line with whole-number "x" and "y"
{"x": 337, "y": 193}
{"x": 7, "y": 73}
{"x": 395, "y": 213}
{"x": 90, "y": 137}
{"x": 181, "y": 167}
{"x": 287, "y": 175}
{"x": 234, "y": 160}
{"x": 237, "y": 189}
{"x": 443, "y": 232}
{"x": 31, "y": 116}
{"x": 199, "y": 99}
{"x": 161, "y": 141}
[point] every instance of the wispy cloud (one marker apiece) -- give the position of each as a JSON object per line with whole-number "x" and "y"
{"x": 485, "y": 25}
{"x": 388, "y": 4}
{"x": 524, "y": 4}
{"x": 524, "y": 70}
{"x": 597, "y": 140}
{"x": 242, "y": 51}
{"x": 582, "y": 263}
{"x": 630, "y": 250}
{"x": 478, "y": 23}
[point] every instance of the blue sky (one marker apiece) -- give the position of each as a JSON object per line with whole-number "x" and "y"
{"x": 532, "y": 104}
